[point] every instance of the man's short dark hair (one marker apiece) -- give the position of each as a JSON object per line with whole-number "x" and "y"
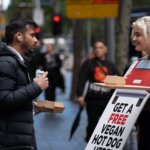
{"x": 98, "y": 40}
{"x": 17, "y": 25}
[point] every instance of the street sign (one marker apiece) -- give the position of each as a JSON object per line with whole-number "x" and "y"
{"x": 117, "y": 120}
{"x": 38, "y": 16}
{"x": 80, "y": 9}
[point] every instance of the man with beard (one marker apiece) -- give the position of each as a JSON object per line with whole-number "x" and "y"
{"x": 16, "y": 89}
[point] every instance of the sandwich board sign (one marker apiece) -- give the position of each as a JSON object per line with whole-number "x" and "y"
{"x": 117, "y": 120}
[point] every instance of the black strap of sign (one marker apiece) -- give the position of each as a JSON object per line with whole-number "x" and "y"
{"x": 134, "y": 95}
{"x": 115, "y": 100}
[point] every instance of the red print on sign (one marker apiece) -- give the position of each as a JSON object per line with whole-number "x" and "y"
{"x": 119, "y": 119}
{"x": 105, "y": 1}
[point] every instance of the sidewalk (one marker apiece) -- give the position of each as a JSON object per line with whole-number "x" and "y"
{"x": 52, "y": 130}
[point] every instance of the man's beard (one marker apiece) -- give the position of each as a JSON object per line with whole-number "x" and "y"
{"x": 26, "y": 48}
{"x": 31, "y": 50}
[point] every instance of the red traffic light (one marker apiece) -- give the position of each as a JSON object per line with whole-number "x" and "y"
{"x": 56, "y": 22}
{"x": 37, "y": 30}
{"x": 56, "y": 18}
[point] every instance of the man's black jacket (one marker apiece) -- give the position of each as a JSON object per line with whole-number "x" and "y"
{"x": 16, "y": 95}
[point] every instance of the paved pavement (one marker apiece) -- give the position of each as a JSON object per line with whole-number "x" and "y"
{"x": 52, "y": 130}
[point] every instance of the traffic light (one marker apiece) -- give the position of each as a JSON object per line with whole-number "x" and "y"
{"x": 38, "y": 32}
{"x": 57, "y": 24}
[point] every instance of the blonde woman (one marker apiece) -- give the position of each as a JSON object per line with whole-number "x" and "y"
{"x": 140, "y": 37}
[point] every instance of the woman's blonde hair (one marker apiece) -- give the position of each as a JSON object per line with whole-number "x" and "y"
{"x": 144, "y": 24}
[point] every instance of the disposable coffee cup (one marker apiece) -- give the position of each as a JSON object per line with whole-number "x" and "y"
{"x": 39, "y": 73}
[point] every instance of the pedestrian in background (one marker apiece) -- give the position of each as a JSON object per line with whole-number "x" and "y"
{"x": 16, "y": 89}
{"x": 51, "y": 62}
{"x": 94, "y": 70}
{"x": 140, "y": 37}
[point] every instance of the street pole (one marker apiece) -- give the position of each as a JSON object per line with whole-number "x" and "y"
{"x": 110, "y": 35}
{"x": 88, "y": 36}
{"x": 56, "y": 6}
{"x": 56, "y": 11}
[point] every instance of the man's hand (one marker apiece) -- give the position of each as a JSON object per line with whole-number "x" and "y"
{"x": 80, "y": 101}
{"x": 42, "y": 81}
